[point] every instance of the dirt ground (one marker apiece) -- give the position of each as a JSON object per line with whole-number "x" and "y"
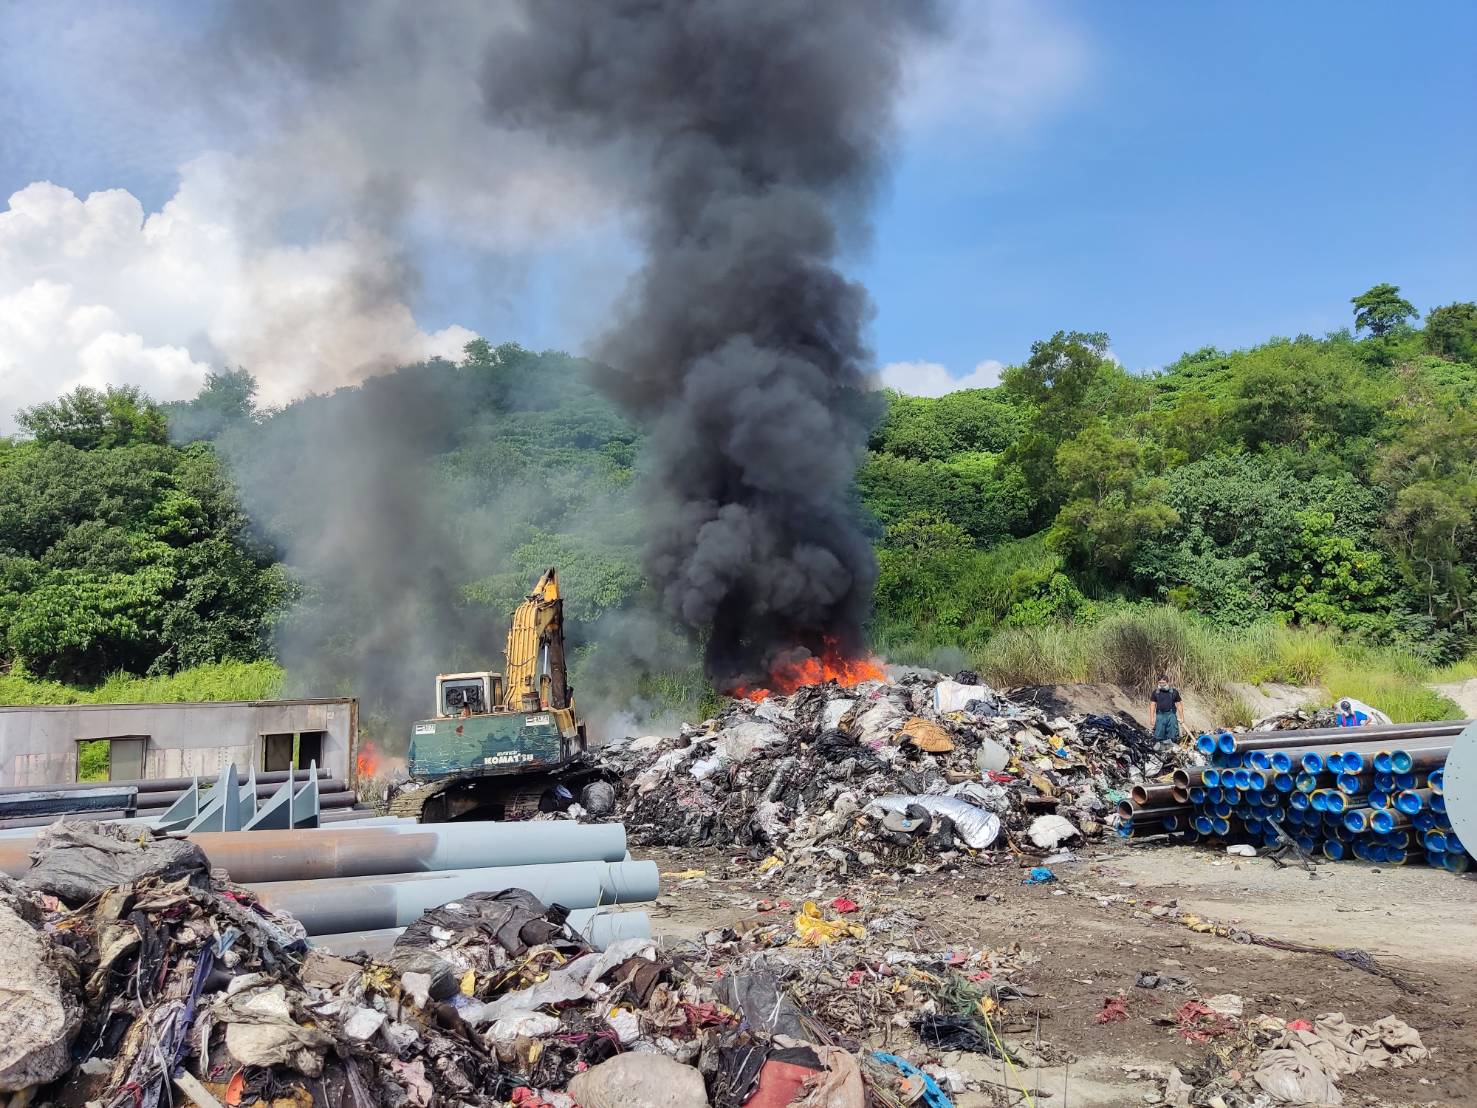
{"x": 1094, "y": 930}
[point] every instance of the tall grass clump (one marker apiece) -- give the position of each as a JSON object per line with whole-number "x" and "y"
{"x": 1464, "y": 670}
{"x": 1050, "y": 655}
{"x": 1132, "y": 647}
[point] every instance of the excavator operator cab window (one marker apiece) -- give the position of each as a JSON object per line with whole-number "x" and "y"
{"x": 463, "y": 698}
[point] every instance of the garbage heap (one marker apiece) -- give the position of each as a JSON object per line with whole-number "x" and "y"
{"x": 917, "y": 772}
{"x": 136, "y": 976}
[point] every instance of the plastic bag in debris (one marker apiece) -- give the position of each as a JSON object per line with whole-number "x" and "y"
{"x": 951, "y": 1032}
{"x": 839, "y": 1086}
{"x": 991, "y": 757}
{"x": 741, "y": 739}
{"x": 754, "y": 992}
{"x": 951, "y": 696}
{"x": 835, "y": 713}
{"x": 573, "y": 981}
{"x": 706, "y": 767}
{"x": 992, "y": 798}
{"x": 642, "y": 1080}
{"x": 39, "y": 1015}
{"x": 1047, "y": 831}
{"x": 877, "y": 724}
{"x": 975, "y": 827}
{"x": 515, "y": 919}
{"x": 813, "y": 929}
{"x": 76, "y": 862}
{"x": 261, "y": 1030}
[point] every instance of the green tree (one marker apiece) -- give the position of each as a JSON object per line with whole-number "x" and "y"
{"x": 1066, "y": 383}
{"x": 134, "y": 558}
{"x": 1381, "y": 309}
{"x": 119, "y": 415}
{"x": 935, "y": 429}
{"x": 1430, "y": 472}
{"x": 226, "y": 400}
{"x": 1113, "y": 504}
{"x": 1451, "y": 332}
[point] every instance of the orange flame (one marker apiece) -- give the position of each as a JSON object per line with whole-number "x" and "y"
{"x": 368, "y": 761}
{"x": 814, "y": 669}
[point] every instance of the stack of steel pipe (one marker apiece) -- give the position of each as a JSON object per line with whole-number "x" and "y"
{"x": 1157, "y": 809}
{"x": 1374, "y": 793}
{"x": 350, "y": 879}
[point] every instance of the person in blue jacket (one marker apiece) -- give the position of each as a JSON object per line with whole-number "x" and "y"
{"x": 1345, "y": 716}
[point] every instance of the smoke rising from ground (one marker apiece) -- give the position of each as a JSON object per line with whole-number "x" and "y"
{"x": 343, "y": 486}
{"x": 751, "y": 138}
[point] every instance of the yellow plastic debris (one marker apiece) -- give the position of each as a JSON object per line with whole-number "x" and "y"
{"x": 774, "y": 861}
{"x": 469, "y": 983}
{"x": 813, "y": 929}
{"x": 686, "y": 874}
{"x": 926, "y": 735}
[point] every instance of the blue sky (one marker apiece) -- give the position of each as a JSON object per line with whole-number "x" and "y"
{"x": 1176, "y": 174}
{"x": 1216, "y": 174}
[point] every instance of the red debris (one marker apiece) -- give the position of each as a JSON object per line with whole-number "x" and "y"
{"x": 844, "y": 905}
{"x": 1115, "y": 1008}
{"x": 1299, "y": 1025}
{"x": 1198, "y": 1023}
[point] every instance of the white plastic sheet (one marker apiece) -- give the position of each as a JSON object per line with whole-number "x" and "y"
{"x": 976, "y": 828}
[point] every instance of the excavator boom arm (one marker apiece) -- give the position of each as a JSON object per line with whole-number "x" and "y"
{"x": 535, "y": 672}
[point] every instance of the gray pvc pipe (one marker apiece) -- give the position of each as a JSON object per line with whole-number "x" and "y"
{"x": 367, "y": 904}
{"x": 599, "y": 928}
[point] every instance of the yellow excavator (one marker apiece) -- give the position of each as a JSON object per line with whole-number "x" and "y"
{"x": 508, "y": 745}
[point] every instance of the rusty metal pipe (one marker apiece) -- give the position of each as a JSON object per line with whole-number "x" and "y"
{"x": 334, "y": 852}
{"x": 1148, "y": 795}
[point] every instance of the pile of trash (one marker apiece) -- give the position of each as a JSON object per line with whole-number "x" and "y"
{"x": 1276, "y": 1061}
{"x": 918, "y": 772}
{"x": 177, "y": 987}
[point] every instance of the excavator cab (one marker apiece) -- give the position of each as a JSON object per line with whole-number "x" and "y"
{"x": 467, "y": 694}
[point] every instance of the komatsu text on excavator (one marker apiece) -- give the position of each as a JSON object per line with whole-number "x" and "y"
{"x": 505, "y": 746}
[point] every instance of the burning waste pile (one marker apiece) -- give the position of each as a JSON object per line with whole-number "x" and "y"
{"x": 919, "y": 772}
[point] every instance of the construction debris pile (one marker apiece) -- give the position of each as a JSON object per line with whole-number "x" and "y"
{"x": 177, "y": 986}
{"x": 1375, "y": 793}
{"x": 917, "y": 772}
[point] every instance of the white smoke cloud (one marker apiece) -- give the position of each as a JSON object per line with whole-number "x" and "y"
{"x": 96, "y": 291}
{"x": 933, "y": 379}
{"x": 1003, "y": 66}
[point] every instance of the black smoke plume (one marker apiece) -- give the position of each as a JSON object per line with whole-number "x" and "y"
{"x": 752, "y": 136}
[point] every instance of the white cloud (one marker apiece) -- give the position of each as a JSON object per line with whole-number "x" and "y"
{"x": 1002, "y": 66}
{"x": 95, "y": 291}
{"x": 933, "y": 379}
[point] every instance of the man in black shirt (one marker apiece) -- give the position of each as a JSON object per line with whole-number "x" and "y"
{"x": 1164, "y": 710}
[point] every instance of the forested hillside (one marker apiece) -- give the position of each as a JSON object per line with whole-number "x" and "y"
{"x": 1304, "y": 490}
